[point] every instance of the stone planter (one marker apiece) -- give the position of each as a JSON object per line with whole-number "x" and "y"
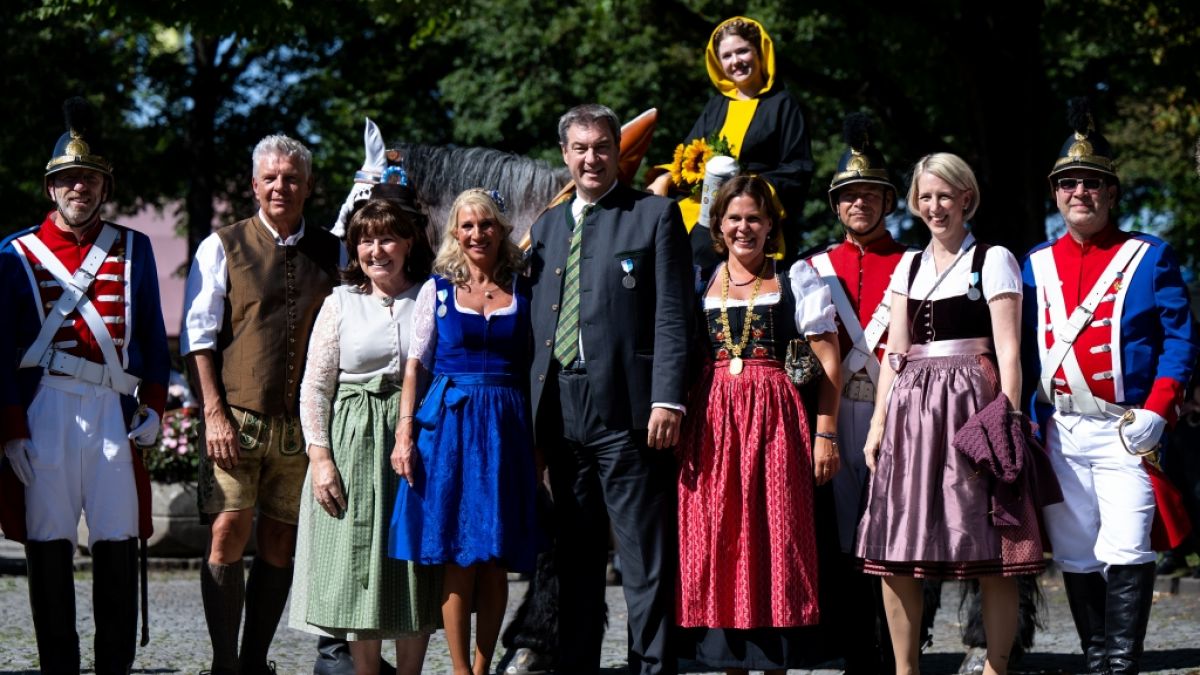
{"x": 178, "y": 530}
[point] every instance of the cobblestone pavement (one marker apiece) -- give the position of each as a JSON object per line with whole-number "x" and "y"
{"x": 179, "y": 641}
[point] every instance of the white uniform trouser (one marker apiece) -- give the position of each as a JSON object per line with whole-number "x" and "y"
{"x": 81, "y": 461}
{"x": 1108, "y": 501}
{"x": 850, "y": 482}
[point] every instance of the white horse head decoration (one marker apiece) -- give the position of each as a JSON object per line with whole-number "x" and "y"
{"x": 374, "y": 164}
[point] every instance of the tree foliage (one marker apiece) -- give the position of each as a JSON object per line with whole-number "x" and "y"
{"x": 189, "y": 86}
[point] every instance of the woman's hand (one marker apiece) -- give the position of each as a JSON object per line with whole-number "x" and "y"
{"x": 661, "y": 186}
{"x": 826, "y": 461}
{"x": 326, "y": 481}
{"x": 405, "y": 461}
{"x": 871, "y": 447}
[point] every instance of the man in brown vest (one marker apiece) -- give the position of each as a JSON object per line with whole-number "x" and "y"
{"x": 252, "y": 295}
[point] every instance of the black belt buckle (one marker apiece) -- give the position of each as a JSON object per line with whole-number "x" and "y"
{"x": 575, "y": 367}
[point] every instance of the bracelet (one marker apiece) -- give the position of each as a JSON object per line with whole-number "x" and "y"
{"x": 407, "y": 417}
{"x": 827, "y": 435}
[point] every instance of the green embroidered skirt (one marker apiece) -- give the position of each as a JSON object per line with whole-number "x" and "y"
{"x": 345, "y": 583}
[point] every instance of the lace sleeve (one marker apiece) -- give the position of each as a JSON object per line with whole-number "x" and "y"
{"x": 424, "y": 326}
{"x": 321, "y": 373}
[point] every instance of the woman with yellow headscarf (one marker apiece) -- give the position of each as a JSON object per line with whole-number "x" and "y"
{"x": 762, "y": 122}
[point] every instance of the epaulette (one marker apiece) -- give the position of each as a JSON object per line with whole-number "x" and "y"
{"x": 20, "y": 233}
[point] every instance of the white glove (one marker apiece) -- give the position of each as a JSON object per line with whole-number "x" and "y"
{"x": 146, "y": 431}
{"x": 17, "y": 451}
{"x": 1143, "y": 432}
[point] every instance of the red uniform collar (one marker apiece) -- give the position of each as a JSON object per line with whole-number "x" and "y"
{"x": 1108, "y": 238}
{"x": 55, "y": 237}
{"x": 880, "y": 246}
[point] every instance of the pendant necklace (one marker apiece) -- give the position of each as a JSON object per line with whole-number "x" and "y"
{"x": 735, "y": 350}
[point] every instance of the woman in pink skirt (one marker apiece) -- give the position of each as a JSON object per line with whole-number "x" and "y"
{"x": 953, "y": 347}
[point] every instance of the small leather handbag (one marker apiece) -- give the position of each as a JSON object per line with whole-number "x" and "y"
{"x": 801, "y": 364}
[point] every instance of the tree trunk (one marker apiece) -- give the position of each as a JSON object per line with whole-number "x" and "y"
{"x": 205, "y": 92}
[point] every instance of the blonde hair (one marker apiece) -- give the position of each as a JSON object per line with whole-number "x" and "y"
{"x": 451, "y": 262}
{"x": 950, "y": 168}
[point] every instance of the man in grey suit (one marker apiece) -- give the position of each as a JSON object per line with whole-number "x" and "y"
{"x": 612, "y": 295}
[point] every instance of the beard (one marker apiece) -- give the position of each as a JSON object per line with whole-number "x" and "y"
{"x": 77, "y": 215}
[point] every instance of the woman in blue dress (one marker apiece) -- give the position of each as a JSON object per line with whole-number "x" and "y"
{"x": 465, "y": 453}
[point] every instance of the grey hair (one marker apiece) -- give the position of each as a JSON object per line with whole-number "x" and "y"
{"x": 284, "y": 146}
{"x": 587, "y": 115}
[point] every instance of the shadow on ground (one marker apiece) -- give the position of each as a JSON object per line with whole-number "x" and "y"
{"x": 1043, "y": 663}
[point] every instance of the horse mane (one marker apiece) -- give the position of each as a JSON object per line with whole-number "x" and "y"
{"x": 439, "y": 173}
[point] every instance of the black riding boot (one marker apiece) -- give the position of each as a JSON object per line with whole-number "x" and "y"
{"x": 115, "y": 605}
{"x": 1130, "y": 592}
{"x": 1086, "y": 594}
{"x": 51, "y": 572}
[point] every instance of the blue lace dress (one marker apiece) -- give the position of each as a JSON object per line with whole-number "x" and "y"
{"x": 474, "y": 496}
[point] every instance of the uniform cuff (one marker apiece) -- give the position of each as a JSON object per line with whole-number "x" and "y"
{"x": 153, "y": 396}
{"x": 1165, "y": 397}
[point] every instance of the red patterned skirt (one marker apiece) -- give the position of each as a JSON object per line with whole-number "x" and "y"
{"x": 747, "y": 540}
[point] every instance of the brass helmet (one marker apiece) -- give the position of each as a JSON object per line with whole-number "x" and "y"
{"x": 862, "y": 162}
{"x": 1085, "y": 148}
{"x": 79, "y": 146}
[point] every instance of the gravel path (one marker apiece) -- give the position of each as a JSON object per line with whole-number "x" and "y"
{"x": 179, "y": 641}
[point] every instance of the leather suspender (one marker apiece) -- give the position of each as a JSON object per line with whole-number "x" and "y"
{"x": 74, "y": 297}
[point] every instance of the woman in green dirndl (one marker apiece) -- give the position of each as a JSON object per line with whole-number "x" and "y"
{"x": 345, "y": 584}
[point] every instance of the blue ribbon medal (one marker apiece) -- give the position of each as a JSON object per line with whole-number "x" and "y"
{"x": 628, "y": 281}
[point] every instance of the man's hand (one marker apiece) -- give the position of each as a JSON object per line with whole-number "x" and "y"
{"x": 1143, "y": 431}
{"x": 145, "y": 432}
{"x": 664, "y": 428}
{"x": 220, "y": 439}
{"x": 17, "y": 450}
{"x": 326, "y": 481}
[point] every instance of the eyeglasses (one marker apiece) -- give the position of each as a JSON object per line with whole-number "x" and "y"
{"x": 1089, "y": 184}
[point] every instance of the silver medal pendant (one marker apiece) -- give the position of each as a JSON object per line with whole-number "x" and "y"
{"x": 628, "y": 281}
{"x": 441, "y": 311}
{"x": 735, "y": 365}
{"x": 973, "y": 294}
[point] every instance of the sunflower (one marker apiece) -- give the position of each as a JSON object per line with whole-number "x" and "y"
{"x": 677, "y": 166}
{"x": 694, "y": 157}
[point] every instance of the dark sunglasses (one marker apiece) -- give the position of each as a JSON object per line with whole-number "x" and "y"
{"x": 1090, "y": 184}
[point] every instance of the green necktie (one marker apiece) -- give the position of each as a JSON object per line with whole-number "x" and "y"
{"x": 566, "y": 337}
